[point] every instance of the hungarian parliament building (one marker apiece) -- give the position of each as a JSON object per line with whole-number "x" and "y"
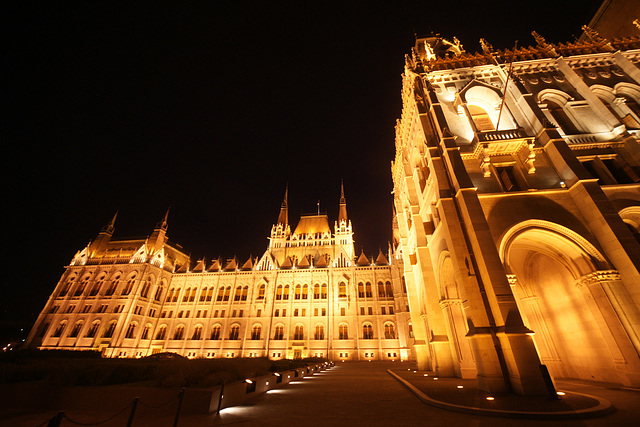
{"x": 516, "y": 250}
{"x": 309, "y": 295}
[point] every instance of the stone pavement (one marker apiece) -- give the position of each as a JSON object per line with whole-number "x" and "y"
{"x": 359, "y": 394}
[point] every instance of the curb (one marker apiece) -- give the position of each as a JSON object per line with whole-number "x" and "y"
{"x": 604, "y": 406}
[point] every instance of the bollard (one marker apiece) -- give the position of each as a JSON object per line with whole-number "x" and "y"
{"x": 55, "y": 421}
{"x": 133, "y": 411}
{"x": 220, "y": 398}
{"x": 180, "y": 397}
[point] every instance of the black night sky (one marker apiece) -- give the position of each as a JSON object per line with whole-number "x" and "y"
{"x": 212, "y": 108}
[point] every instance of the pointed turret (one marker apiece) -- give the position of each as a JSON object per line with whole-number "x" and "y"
{"x": 103, "y": 238}
{"x": 109, "y": 228}
{"x": 342, "y": 215}
{"x": 159, "y": 235}
{"x": 283, "y": 218}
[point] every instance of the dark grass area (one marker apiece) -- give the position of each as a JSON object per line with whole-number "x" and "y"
{"x": 87, "y": 368}
{"x": 446, "y": 390}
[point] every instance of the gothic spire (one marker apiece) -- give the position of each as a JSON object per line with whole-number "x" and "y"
{"x": 283, "y": 218}
{"x": 163, "y": 223}
{"x": 342, "y": 215}
{"x": 110, "y": 227}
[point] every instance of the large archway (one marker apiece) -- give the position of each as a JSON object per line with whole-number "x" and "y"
{"x": 550, "y": 270}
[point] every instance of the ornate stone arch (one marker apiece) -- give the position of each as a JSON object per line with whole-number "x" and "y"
{"x": 552, "y": 231}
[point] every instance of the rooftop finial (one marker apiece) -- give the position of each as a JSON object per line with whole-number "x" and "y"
{"x": 342, "y": 215}
{"x": 283, "y": 218}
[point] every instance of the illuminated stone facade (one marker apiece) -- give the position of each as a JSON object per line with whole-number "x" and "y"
{"x": 308, "y": 295}
{"x": 517, "y": 196}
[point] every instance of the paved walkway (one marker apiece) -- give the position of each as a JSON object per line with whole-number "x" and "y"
{"x": 365, "y": 394}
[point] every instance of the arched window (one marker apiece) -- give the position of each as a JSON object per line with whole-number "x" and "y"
{"x": 367, "y": 332}
{"x": 481, "y": 118}
{"x": 560, "y": 117}
{"x": 210, "y": 294}
{"x": 162, "y": 332}
{"x": 324, "y": 291}
{"x": 145, "y": 332}
{"x": 76, "y": 330}
{"x": 176, "y": 295}
{"x": 389, "y": 331}
{"x": 234, "y": 333}
{"x": 238, "y": 294}
{"x": 65, "y": 288}
{"x": 58, "y": 332}
{"x": 316, "y": 291}
{"x": 203, "y": 294}
{"x": 185, "y": 297}
{"x": 261, "y": 291}
{"x": 389, "y": 290}
{"x": 286, "y": 292}
{"x": 368, "y": 288}
{"x": 319, "y": 335}
{"x": 215, "y": 332}
{"x": 197, "y": 333}
{"x": 93, "y": 330}
{"x": 381, "y": 293}
{"x": 145, "y": 289}
{"x": 96, "y": 286}
{"x": 278, "y": 332}
{"x": 220, "y": 294}
{"x": 158, "y": 295}
{"x": 170, "y": 295}
{"x": 113, "y": 286}
{"x": 129, "y": 286}
{"x": 179, "y": 333}
{"x": 81, "y": 286}
{"x": 305, "y": 291}
{"x": 256, "y": 331}
{"x": 297, "y": 292}
{"x": 110, "y": 330}
{"x": 299, "y": 333}
{"x": 130, "y": 330}
{"x": 279, "y": 292}
{"x": 245, "y": 293}
{"x": 343, "y": 332}
{"x": 360, "y": 290}
{"x": 342, "y": 290}
{"x": 192, "y": 296}
{"x": 227, "y": 293}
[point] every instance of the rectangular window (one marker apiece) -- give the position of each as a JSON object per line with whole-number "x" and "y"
{"x": 233, "y": 313}
{"x": 164, "y": 314}
{"x": 180, "y": 313}
{"x": 198, "y": 313}
{"x": 509, "y": 180}
{"x": 222, "y": 313}
{"x": 215, "y": 313}
{"x": 277, "y": 314}
{"x": 383, "y": 310}
{"x": 324, "y": 311}
{"x": 205, "y": 313}
{"x": 284, "y": 312}
{"x": 362, "y": 311}
{"x": 304, "y": 312}
{"x": 241, "y": 313}
{"x": 315, "y": 311}
{"x": 259, "y": 313}
{"x": 295, "y": 312}
{"x": 170, "y": 313}
{"x": 342, "y": 311}
{"x": 188, "y": 313}
{"x": 391, "y": 309}
{"x": 370, "y": 311}
{"x": 86, "y": 309}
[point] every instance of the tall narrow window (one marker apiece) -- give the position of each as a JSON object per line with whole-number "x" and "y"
{"x": 234, "y": 333}
{"x": 245, "y": 293}
{"x": 197, "y": 333}
{"x": 162, "y": 332}
{"x": 256, "y": 332}
{"x": 220, "y": 294}
{"x": 367, "y": 332}
{"x": 316, "y": 291}
{"x": 343, "y": 332}
{"x": 279, "y": 292}
{"x": 130, "y": 330}
{"x": 342, "y": 290}
{"x": 368, "y": 288}
{"x": 389, "y": 331}
{"x": 261, "y": 291}
{"x": 299, "y": 333}
{"x": 286, "y": 292}
{"x": 319, "y": 335}
{"x": 360, "y": 290}
{"x": 278, "y": 332}
{"x": 561, "y": 118}
{"x": 324, "y": 291}
{"x": 179, "y": 333}
{"x": 297, "y": 292}
{"x": 93, "y": 330}
{"x": 305, "y": 291}
{"x": 215, "y": 332}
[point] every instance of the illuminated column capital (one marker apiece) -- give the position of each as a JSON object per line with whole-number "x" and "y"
{"x": 598, "y": 277}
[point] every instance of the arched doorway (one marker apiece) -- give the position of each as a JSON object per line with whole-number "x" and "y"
{"x": 559, "y": 280}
